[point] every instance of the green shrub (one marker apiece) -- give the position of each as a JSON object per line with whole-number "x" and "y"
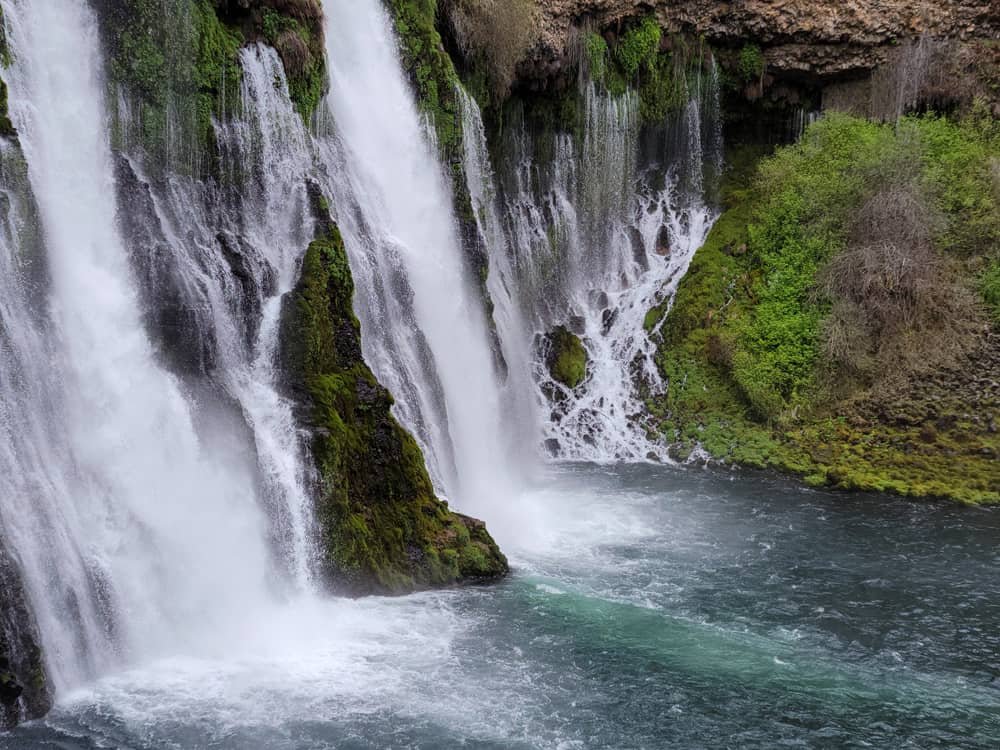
{"x": 638, "y": 47}
{"x": 989, "y": 286}
{"x": 567, "y": 358}
{"x": 750, "y": 63}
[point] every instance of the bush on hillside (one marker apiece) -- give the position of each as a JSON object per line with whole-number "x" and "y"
{"x": 496, "y": 34}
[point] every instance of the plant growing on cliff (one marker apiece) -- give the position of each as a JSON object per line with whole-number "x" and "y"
{"x": 750, "y": 63}
{"x": 638, "y": 47}
{"x": 897, "y": 304}
{"x": 299, "y": 44}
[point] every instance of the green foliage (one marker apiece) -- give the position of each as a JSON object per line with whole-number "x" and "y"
{"x": 638, "y": 47}
{"x": 172, "y": 58}
{"x": 596, "y": 50}
{"x": 301, "y": 50}
{"x": 5, "y": 59}
{"x": 567, "y": 358}
{"x": 383, "y": 529}
{"x": 180, "y": 58}
{"x": 989, "y": 286}
{"x": 217, "y": 72}
{"x": 6, "y": 126}
{"x": 807, "y": 191}
{"x": 960, "y": 164}
{"x": 741, "y": 346}
{"x": 636, "y": 61}
{"x": 663, "y": 87}
{"x": 750, "y": 63}
{"x": 431, "y": 69}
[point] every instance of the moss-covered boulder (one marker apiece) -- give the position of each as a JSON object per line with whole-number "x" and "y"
{"x": 383, "y": 529}
{"x": 566, "y": 357}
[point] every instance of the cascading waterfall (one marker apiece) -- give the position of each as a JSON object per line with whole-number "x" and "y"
{"x": 163, "y": 492}
{"x": 592, "y": 240}
{"x": 133, "y": 502}
{"x": 231, "y": 254}
{"x": 423, "y": 324}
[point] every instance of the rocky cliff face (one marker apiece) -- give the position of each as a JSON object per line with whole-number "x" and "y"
{"x": 24, "y": 689}
{"x": 822, "y": 38}
{"x": 872, "y": 58}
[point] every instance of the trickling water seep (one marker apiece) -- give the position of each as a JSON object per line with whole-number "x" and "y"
{"x": 592, "y": 237}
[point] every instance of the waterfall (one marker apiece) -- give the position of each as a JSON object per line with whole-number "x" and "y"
{"x": 156, "y": 484}
{"x": 140, "y": 500}
{"x": 230, "y": 254}
{"x": 592, "y": 238}
{"x": 424, "y": 330}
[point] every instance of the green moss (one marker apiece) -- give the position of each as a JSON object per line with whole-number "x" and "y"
{"x": 663, "y": 88}
{"x": 6, "y": 126}
{"x": 217, "y": 71}
{"x": 636, "y": 61}
{"x": 5, "y": 58}
{"x": 383, "y": 528}
{"x": 989, "y": 286}
{"x": 740, "y": 346}
{"x": 179, "y": 60}
{"x": 597, "y": 52}
{"x": 300, "y": 46}
{"x": 567, "y": 357}
{"x": 173, "y": 59}
{"x": 430, "y": 68}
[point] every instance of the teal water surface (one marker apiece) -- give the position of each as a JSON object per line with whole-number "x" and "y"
{"x": 650, "y": 607}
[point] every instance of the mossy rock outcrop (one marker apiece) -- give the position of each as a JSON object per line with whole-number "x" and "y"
{"x": 566, "y": 357}
{"x": 383, "y": 529}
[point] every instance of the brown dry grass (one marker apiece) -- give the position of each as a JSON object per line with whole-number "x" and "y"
{"x": 899, "y": 306}
{"x": 496, "y": 33}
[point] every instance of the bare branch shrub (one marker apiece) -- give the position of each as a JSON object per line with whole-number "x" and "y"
{"x": 295, "y": 53}
{"x": 498, "y": 33}
{"x": 305, "y": 10}
{"x": 898, "y": 305}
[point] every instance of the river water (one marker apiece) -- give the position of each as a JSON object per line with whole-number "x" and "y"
{"x": 649, "y": 607}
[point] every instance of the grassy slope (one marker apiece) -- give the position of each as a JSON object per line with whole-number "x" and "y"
{"x": 742, "y": 345}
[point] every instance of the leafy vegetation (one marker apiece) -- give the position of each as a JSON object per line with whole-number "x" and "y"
{"x": 177, "y": 61}
{"x": 637, "y": 61}
{"x": 300, "y": 45}
{"x": 638, "y": 47}
{"x": 841, "y": 275}
{"x": 750, "y": 63}
{"x": 989, "y": 285}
